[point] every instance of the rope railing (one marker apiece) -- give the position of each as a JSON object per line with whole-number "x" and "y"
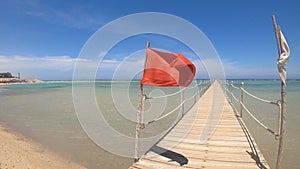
{"x": 172, "y": 94}
{"x": 167, "y": 95}
{"x": 260, "y": 123}
{"x": 233, "y": 96}
{"x": 243, "y": 106}
{"x": 140, "y": 117}
{"x": 253, "y": 96}
{"x": 234, "y": 86}
{"x": 177, "y": 107}
{"x": 197, "y": 84}
{"x": 258, "y": 98}
{"x": 172, "y": 111}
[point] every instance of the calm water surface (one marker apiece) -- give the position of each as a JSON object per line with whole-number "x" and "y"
{"x": 45, "y": 113}
{"x": 268, "y": 114}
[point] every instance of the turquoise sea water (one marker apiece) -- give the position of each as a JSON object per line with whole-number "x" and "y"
{"x": 45, "y": 113}
{"x": 268, "y": 114}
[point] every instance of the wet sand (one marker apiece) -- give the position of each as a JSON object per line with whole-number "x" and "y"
{"x": 18, "y": 152}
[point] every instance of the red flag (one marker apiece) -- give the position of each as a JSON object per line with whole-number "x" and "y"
{"x": 167, "y": 69}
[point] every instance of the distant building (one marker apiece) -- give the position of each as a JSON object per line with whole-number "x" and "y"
{"x": 6, "y": 75}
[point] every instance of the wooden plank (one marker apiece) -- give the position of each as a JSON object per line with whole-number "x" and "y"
{"x": 164, "y": 164}
{"x": 190, "y": 145}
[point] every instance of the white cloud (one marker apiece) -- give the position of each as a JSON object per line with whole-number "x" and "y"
{"x": 53, "y": 67}
{"x": 238, "y": 70}
{"x": 127, "y": 68}
{"x": 102, "y": 54}
{"x": 48, "y": 62}
{"x": 233, "y": 69}
{"x": 61, "y": 67}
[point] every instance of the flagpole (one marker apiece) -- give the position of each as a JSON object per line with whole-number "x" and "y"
{"x": 282, "y": 115}
{"x": 276, "y": 34}
{"x": 276, "y": 30}
{"x": 140, "y": 117}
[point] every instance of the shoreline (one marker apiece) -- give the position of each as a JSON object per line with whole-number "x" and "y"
{"x": 9, "y": 81}
{"x": 20, "y": 152}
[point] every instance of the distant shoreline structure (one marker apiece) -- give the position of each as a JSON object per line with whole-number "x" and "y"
{"x": 7, "y": 81}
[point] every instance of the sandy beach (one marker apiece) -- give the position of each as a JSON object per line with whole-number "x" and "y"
{"x": 8, "y": 81}
{"x": 19, "y": 152}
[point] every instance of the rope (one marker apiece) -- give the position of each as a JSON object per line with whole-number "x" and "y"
{"x": 172, "y": 94}
{"x": 166, "y": 115}
{"x": 168, "y": 95}
{"x": 205, "y": 87}
{"x": 233, "y": 96}
{"x": 197, "y": 84}
{"x": 161, "y": 117}
{"x": 260, "y": 123}
{"x": 255, "y": 97}
{"x": 248, "y": 111}
{"x": 235, "y": 110}
{"x": 260, "y": 99}
{"x": 234, "y": 86}
{"x": 228, "y": 92}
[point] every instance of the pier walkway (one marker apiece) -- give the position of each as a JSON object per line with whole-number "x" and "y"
{"x": 210, "y": 135}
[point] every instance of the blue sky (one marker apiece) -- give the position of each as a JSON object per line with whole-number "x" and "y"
{"x": 42, "y": 39}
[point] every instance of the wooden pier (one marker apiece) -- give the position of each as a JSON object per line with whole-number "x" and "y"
{"x": 210, "y": 135}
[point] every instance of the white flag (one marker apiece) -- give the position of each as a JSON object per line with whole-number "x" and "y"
{"x": 283, "y": 58}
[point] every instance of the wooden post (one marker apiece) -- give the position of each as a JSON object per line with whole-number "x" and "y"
{"x": 140, "y": 116}
{"x": 182, "y": 99}
{"x": 279, "y": 52}
{"x": 276, "y": 34}
{"x": 226, "y": 88}
{"x": 282, "y": 114}
{"x": 242, "y": 99}
{"x": 231, "y": 89}
{"x": 282, "y": 125}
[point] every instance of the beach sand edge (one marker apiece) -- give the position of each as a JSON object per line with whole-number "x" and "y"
{"x": 20, "y": 152}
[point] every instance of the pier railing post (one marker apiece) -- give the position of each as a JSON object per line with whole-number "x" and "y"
{"x": 231, "y": 89}
{"x": 282, "y": 115}
{"x": 182, "y": 99}
{"x": 138, "y": 124}
{"x": 140, "y": 116}
{"x": 282, "y": 125}
{"x": 226, "y": 88}
{"x": 242, "y": 98}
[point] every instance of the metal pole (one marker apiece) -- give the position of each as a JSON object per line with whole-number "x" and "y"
{"x": 139, "y": 122}
{"x": 242, "y": 99}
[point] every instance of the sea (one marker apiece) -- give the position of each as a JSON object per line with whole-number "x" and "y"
{"x": 56, "y": 115}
